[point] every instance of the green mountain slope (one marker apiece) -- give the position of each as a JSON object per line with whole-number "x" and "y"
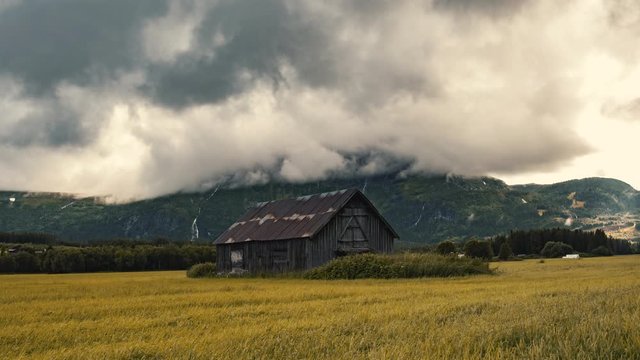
{"x": 423, "y": 209}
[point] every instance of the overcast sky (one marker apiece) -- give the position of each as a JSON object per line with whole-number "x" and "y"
{"x": 135, "y": 99}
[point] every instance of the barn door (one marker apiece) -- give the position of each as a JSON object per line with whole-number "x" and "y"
{"x": 354, "y": 235}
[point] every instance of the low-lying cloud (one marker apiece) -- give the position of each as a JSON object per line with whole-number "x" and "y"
{"x": 137, "y": 99}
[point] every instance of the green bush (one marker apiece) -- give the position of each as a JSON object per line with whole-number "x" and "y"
{"x": 446, "y": 248}
{"x": 601, "y": 251}
{"x": 397, "y": 266}
{"x": 207, "y": 269}
{"x": 556, "y": 249}
{"x": 478, "y": 249}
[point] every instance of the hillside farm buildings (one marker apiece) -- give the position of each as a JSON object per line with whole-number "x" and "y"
{"x": 302, "y": 233}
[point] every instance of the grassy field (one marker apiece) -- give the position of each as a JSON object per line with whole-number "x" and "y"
{"x": 559, "y": 309}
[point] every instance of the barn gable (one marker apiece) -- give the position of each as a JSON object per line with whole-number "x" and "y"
{"x": 356, "y": 228}
{"x": 303, "y": 232}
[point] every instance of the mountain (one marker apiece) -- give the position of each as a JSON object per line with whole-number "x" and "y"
{"x": 423, "y": 209}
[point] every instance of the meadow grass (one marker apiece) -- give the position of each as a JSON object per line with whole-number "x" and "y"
{"x": 559, "y": 309}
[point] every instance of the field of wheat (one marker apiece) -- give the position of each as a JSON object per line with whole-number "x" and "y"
{"x": 559, "y": 309}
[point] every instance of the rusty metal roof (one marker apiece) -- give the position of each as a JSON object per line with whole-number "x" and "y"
{"x": 301, "y": 217}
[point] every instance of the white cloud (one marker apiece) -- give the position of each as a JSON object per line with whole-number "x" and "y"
{"x": 510, "y": 93}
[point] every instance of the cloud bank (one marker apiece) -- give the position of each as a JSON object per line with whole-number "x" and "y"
{"x": 136, "y": 99}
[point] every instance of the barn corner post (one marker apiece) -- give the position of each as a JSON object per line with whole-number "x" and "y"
{"x": 302, "y": 233}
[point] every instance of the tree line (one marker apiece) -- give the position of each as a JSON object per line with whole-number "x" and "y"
{"x": 29, "y": 238}
{"x": 104, "y": 257}
{"x": 533, "y": 241}
{"x": 544, "y": 242}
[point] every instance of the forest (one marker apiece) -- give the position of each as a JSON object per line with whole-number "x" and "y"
{"x": 43, "y": 253}
{"x": 534, "y": 241}
{"x": 555, "y": 242}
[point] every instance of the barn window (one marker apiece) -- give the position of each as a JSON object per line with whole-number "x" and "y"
{"x": 237, "y": 259}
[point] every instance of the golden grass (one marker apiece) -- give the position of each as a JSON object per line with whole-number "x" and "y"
{"x": 559, "y": 309}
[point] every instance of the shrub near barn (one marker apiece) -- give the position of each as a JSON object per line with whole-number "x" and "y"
{"x": 397, "y": 266}
{"x": 202, "y": 270}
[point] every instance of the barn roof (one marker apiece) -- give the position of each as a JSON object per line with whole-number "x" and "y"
{"x": 301, "y": 217}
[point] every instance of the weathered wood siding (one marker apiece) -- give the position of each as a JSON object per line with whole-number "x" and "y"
{"x": 355, "y": 228}
{"x": 264, "y": 256}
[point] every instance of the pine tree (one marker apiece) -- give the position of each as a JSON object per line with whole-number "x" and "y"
{"x": 505, "y": 251}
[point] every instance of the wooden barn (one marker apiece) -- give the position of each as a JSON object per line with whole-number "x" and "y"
{"x": 302, "y": 233}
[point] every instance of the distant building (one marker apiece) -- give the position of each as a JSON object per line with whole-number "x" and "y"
{"x": 302, "y": 233}
{"x": 571, "y": 256}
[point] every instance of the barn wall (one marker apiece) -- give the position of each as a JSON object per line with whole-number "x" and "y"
{"x": 333, "y": 237}
{"x": 322, "y": 248}
{"x": 265, "y": 256}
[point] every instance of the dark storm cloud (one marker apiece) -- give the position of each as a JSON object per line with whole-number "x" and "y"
{"x": 369, "y": 9}
{"x": 45, "y": 42}
{"x": 255, "y": 36}
{"x": 53, "y": 126}
{"x": 258, "y": 36}
{"x": 262, "y": 35}
{"x": 484, "y": 7}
